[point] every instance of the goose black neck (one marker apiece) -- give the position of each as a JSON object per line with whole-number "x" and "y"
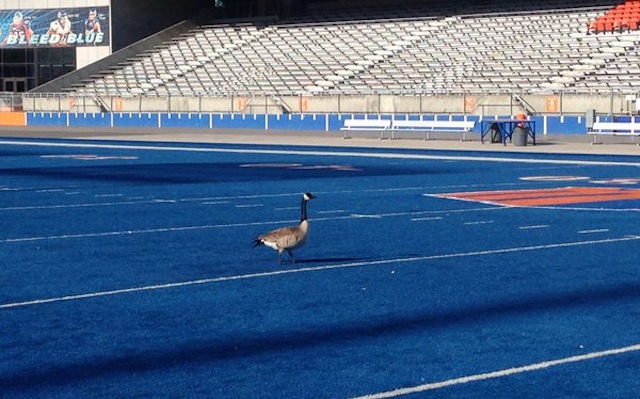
{"x": 303, "y": 208}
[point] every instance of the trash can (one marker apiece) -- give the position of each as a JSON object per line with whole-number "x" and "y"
{"x": 519, "y": 136}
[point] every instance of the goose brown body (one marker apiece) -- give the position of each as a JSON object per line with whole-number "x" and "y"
{"x": 288, "y": 238}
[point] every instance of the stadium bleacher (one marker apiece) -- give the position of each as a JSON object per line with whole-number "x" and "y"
{"x": 478, "y": 49}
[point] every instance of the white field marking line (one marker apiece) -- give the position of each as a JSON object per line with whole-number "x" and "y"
{"x": 445, "y": 211}
{"x": 426, "y": 219}
{"x": 411, "y": 213}
{"x": 315, "y": 269}
{"x": 593, "y": 231}
{"x": 476, "y": 223}
{"x": 501, "y": 373}
{"x": 539, "y": 226}
{"x": 50, "y": 190}
{"x": 219, "y": 200}
{"x": 71, "y": 206}
{"x": 357, "y": 154}
{"x": 205, "y": 200}
{"x": 142, "y": 201}
{"x": 496, "y": 204}
{"x": 145, "y": 231}
{"x": 215, "y": 203}
{"x": 217, "y": 226}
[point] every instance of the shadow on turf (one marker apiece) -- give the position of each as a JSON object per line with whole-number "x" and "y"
{"x": 203, "y": 352}
{"x": 205, "y": 172}
{"x": 323, "y": 260}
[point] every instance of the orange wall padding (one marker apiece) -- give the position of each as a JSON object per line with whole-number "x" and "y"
{"x": 13, "y": 119}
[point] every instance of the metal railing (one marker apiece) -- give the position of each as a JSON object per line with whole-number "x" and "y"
{"x": 10, "y": 102}
{"x": 367, "y": 102}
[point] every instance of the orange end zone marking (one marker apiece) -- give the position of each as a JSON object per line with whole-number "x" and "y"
{"x": 548, "y": 197}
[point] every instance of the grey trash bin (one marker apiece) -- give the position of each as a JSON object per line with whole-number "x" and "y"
{"x": 519, "y": 136}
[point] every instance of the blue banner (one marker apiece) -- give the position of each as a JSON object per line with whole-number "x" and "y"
{"x": 86, "y": 26}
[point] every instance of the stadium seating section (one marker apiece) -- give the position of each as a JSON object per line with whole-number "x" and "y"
{"x": 576, "y": 45}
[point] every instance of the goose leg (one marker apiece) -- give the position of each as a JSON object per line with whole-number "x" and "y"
{"x": 293, "y": 260}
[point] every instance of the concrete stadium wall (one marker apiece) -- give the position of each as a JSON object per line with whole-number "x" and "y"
{"x": 472, "y": 104}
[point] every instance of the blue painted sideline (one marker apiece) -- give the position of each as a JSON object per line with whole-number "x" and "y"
{"x": 548, "y": 124}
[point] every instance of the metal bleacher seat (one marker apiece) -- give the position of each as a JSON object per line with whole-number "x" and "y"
{"x": 468, "y": 51}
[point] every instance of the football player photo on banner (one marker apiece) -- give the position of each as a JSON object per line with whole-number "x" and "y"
{"x": 87, "y": 26}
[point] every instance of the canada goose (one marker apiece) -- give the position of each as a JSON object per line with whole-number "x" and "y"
{"x": 288, "y": 238}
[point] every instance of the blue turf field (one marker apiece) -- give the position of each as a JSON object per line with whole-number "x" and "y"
{"x": 127, "y": 271}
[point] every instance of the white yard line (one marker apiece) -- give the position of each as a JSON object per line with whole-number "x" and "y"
{"x": 316, "y": 269}
{"x": 533, "y": 227}
{"x": 593, "y": 231}
{"x": 176, "y": 229}
{"x": 141, "y": 231}
{"x": 426, "y": 219}
{"x": 500, "y": 373}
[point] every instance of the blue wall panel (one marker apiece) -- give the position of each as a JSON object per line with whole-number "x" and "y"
{"x": 238, "y": 121}
{"x": 626, "y": 118}
{"x": 125, "y": 119}
{"x": 186, "y": 120}
{"x": 570, "y": 125}
{"x": 46, "y": 119}
{"x": 90, "y": 120}
{"x": 297, "y": 122}
{"x": 335, "y": 121}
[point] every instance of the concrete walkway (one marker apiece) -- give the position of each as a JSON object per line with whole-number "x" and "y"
{"x": 581, "y": 144}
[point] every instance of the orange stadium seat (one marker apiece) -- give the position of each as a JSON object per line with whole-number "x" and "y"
{"x": 623, "y": 17}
